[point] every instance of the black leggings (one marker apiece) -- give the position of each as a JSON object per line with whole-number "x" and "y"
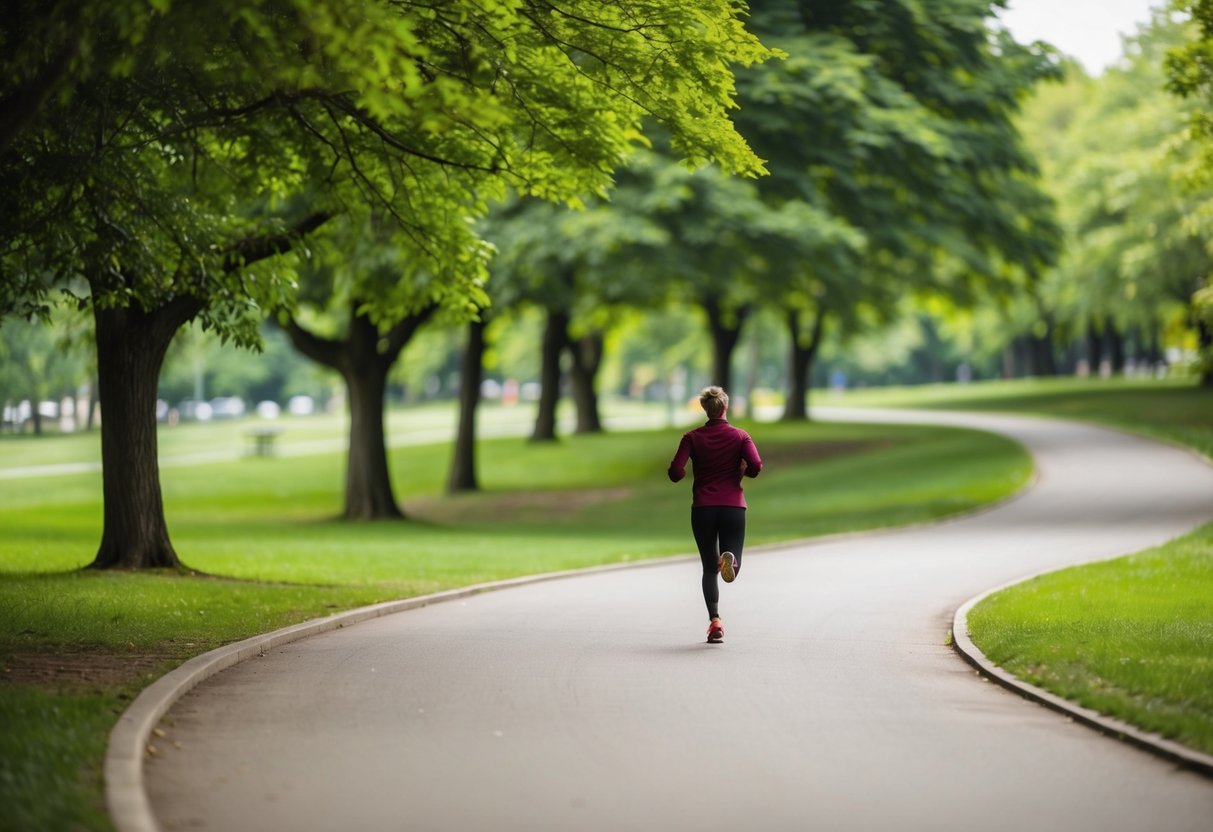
{"x": 717, "y": 529}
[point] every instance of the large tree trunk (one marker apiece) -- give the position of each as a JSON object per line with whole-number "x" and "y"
{"x": 1094, "y": 347}
{"x": 368, "y": 482}
{"x": 364, "y": 360}
{"x": 1154, "y": 353}
{"x": 1116, "y": 348}
{"x": 463, "y": 463}
{"x": 1204, "y": 334}
{"x": 555, "y": 339}
{"x": 800, "y": 361}
{"x": 130, "y": 350}
{"x": 583, "y": 375}
{"x": 725, "y": 330}
{"x": 1044, "y": 362}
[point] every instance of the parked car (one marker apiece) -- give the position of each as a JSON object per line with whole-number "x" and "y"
{"x": 227, "y": 407}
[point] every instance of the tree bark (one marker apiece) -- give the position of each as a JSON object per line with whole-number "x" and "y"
{"x": 1116, "y": 348}
{"x": 800, "y": 362}
{"x": 368, "y": 481}
{"x": 1094, "y": 347}
{"x": 364, "y": 360}
{"x": 1154, "y": 354}
{"x": 463, "y": 463}
{"x": 1204, "y": 334}
{"x": 555, "y": 339}
{"x": 725, "y": 334}
{"x": 131, "y": 345}
{"x": 1044, "y": 362}
{"x": 583, "y": 375}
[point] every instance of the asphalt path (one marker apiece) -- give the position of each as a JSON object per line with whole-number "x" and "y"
{"x": 593, "y": 703}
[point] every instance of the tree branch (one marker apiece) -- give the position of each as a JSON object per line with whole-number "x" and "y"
{"x": 400, "y": 334}
{"x": 365, "y": 120}
{"x": 252, "y": 249}
{"x": 321, "y": 350}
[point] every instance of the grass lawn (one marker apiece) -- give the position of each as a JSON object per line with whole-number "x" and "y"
{"x": 1128, "y": 637}
{"x": 77, "y": 646}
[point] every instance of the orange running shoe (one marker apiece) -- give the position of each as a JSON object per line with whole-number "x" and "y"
{"x": 728, "y": 567}
{"x": 715, "y": 632}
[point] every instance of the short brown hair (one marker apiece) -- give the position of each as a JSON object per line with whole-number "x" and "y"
{"x": 714, "y": 401}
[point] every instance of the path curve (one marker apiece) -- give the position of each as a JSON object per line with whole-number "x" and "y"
{"x": 591, "y": 702}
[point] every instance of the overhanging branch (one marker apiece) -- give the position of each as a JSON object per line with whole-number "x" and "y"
{"x": 252, "y": 249}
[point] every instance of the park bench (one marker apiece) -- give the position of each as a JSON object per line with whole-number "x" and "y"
{"x": 261, "y": 440}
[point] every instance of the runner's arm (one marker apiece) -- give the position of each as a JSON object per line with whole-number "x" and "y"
{"x": 751, "y": 462}
{"x": 678, "y": 466}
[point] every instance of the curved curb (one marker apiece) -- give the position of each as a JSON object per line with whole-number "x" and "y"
{"x": 125, "y": 796}
{"x": 1156, "y": 744}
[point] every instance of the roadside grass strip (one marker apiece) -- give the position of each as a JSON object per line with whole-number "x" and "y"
{"x": 1130, "y": 638}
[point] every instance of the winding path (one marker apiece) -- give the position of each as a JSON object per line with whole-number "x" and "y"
{"x": 591, "y": 703}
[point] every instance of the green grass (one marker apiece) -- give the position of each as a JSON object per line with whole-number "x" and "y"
{"x": 1129, "y": 637}
{"x": 267, "y": 527}
{"x": 50, "y": 746}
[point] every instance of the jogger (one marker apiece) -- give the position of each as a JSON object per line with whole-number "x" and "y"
{"x": 721, "y": 455}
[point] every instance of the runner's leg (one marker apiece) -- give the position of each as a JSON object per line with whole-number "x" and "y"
{"x": 704, "y": 527}
{"x": 731, "y": 528}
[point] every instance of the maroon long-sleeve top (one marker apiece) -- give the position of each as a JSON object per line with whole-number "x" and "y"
{"x": 720, "y": 454}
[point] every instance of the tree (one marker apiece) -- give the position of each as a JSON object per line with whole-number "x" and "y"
{"x": 1130, "y": 205}
{"x": 1189, "y": 70}
{"x": 463, "y": 475}
{"x": 727, "y": 248}
{"x": 198, "y": 143}
{"x": 895, "y": 119}
{"x": 356, "y": 266}
{"x": 580, "y": 267}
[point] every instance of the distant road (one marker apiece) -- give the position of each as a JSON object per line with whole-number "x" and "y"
{"x": 592, "y": 703}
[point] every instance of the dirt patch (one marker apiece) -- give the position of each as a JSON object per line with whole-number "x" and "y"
{"x": 513, "y": 505}
{"x": 807, "y": 452}
{"x": 87, "y": 671}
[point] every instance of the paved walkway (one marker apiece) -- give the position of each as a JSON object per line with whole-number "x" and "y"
{"x": 592, "y": 704}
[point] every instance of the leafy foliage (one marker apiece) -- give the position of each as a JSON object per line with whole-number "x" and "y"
{"x": 897, "y": 119}
{"x": 219, "y": 130}
{"x": 1133, "y": 206}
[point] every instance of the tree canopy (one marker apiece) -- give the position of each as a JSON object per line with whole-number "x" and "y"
{"x": 1189, "y": 68}
{"x": 208, "y": 131}
{"x": 896, "y": 120}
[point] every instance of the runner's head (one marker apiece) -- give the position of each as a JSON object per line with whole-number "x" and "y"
{"x": 714, "y": 401}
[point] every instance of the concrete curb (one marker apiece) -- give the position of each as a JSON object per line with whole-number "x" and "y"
{"x": 1156, "y": 744}
{"x": 125, "y": 796}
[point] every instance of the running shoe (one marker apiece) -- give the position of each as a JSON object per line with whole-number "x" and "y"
{"x": 728, "y": 567}
{"x": 715, "y": 632}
